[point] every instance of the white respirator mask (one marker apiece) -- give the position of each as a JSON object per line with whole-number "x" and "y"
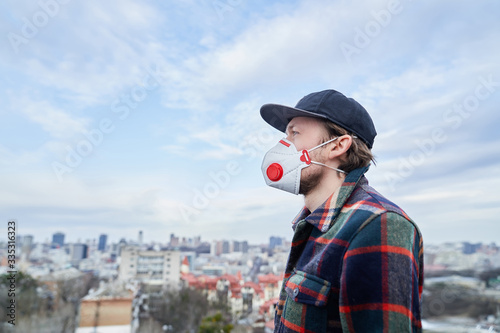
{"x": 283, "y": 164}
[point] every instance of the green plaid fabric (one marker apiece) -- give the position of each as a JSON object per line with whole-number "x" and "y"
{"x": 356, "y": 265}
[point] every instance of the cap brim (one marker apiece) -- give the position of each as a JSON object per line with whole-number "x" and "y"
{"x": 278, "y": 116}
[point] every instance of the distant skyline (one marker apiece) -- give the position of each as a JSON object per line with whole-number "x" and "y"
{"x": 120, "y": 116}
{"x": 69, "y": 240}
{"x": 73, "y": 239}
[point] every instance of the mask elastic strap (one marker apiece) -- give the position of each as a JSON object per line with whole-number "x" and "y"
{"x": 324, "y": 143}
{"x": 322, "y": 164}
{"x": 318, "y": 163}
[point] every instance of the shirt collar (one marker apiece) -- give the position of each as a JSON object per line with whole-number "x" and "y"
{"x": 323, "y": 216}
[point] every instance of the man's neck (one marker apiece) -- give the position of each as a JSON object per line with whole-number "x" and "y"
{"x": 323, "y": 191}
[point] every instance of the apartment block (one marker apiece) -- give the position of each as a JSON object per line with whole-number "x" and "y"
{"x": 157, "y": 267}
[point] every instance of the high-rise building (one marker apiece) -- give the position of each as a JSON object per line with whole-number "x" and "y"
{"x": 121, "y": 244}
{"x": 58, "y": 239}
{"x": 225, "y": 246}
{"x": 139, "y": 239}
{"x": 469, "y": 248}
{"x": 78, "y": 252}
{"x": 174, "y": 241}
{"x": 244, "y": 247}
{"x": 275, "y": 242}
{"x": 102, "y": 242}
{"x": 27, "y": 243}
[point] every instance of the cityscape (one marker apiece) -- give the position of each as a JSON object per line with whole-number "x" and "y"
{"x": 134, "y": 286}
{"x": 132, "y": 189}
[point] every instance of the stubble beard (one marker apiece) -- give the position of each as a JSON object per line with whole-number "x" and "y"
{"x": 311, "y": 180}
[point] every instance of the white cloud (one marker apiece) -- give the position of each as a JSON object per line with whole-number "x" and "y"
{"x": 266, "y": 53}
{"x": 15, "y": 160}
{"x": 103, "y": 49}
{"x": 56, "y": 122}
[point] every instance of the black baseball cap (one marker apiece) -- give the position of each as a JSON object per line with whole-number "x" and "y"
{"x": 327, "y": 104}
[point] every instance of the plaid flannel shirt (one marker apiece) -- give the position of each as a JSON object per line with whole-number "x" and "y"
{"x": 356, "y": 265}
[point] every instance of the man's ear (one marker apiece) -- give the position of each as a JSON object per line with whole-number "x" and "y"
{"x": 340, "y": 146}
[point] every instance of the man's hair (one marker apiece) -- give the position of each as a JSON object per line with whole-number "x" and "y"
{"x": 357, "y": 156}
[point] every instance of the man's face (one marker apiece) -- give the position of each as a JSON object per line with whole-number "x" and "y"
{"x": 306, "y": 133}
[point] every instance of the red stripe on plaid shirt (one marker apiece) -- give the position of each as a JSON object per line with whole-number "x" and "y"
{"x": 324, "y": 216}
{"x": 303, "y": 317}
{"x": 378, "y": 306}
{"x": 384, "y": 307}
{"x": 319, "y": 297}
{"x": 381, "y": 248}
{"x": 299, "y": 242}
{"x": 294, "y": 327}
{"x": 358, "y": 204}
{"x": 327, "y": 241}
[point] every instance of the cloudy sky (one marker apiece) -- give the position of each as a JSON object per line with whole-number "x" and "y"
{"x": 120, "y": 116}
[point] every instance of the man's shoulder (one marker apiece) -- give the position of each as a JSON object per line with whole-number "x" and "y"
{"x": 365, "y": 197}
{"x": 374, "y": 205}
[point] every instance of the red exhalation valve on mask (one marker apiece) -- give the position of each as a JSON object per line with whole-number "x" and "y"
{"x": 274, "y": 172}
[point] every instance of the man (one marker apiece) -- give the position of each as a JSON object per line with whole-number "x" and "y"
{"x": 356, "y": 262}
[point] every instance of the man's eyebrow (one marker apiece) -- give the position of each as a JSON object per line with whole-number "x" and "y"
{"x": 289, "y": 127}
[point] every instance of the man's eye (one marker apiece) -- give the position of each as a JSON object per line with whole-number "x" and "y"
{"x": 295, "y": 132}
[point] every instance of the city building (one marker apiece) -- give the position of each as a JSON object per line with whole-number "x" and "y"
{"x": 102, "y": 242}
{"x": 108, "y": 311}
{"x": 159, "y": 267}
{"x": 188, "y": 260}
{"x": 224, "y": 247}
{"x": 78, "y": 251}
{"x": 140, "y": 237}
{"x": 244, "y": 247}
{"x": 108, "y": 305}
{"x": 240, "y": 246}
{"x": 469, "y": 248}
{"x": 174, "y": 241}
{"x": 121, "y": 244}
{"x": 24, "y": 244}
{"x": 275, "y": 242}
{"x": 58, "y": 239}
{"x": 243, "y": 297}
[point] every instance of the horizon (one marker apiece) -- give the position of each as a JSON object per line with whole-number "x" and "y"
{"x": 48, "y": 240}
